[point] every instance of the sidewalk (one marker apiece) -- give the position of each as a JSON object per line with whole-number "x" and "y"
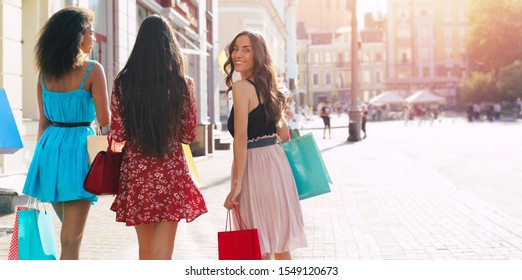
{"x": 383, "y": 205}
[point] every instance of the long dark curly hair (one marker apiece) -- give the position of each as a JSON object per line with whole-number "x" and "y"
{"x": 58, "y": 47}
{"x": 264, "y": 75}
{"x": 151, "y": 88}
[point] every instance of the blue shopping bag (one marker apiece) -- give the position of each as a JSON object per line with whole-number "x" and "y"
{"x": 36, "y": 239}
{"x": 10, "y": 141}
{"x": 310, "y": 173}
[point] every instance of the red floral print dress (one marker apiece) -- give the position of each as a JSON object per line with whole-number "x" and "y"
{"x": 157, "y": 189}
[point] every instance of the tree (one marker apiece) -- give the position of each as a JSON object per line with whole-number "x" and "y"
{"x": 495, "y": 34}
{"x": 510, "y": 79}
{"x": 478, "y": 88}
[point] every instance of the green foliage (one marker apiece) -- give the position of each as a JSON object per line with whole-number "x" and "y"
{"x": 478, "y": 88}
{"x": 495, "y": 34}
{"x": 510, "y": 79}
{"x": 494, "y": 46}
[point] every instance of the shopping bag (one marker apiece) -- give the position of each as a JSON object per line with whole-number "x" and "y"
{"x": 36, "y": 239}
{"x": 13, "y": 247}
{"x": 310, "y": 173}
{"x": 104, "y": 174}
{"x": 242, "y": 244}
{"x": 96, "y": 144}
{"x": 190, "y": 162}
{"x": 10, "y": 140}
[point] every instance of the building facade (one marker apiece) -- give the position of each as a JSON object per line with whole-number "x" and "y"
{"x": 372, "y": 58}
{"x": 426, "y": 46}
{"x": 116, "y": 25}
{"x": 323, "y": 52}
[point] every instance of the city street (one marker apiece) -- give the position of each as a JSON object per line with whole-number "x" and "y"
{"x": 449, "y": 190}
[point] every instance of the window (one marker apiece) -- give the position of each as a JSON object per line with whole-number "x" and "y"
{"x": 447, "y": 33}
{"x": 462, "y": 33}
{"x": 366, "y": 76}
{"x": 328, "y": 78}
{"x": 403, "y": 33}
{"x": 315, "y": 79}
{"x": 404, "y": 55}
{"x": 327, "y": 57}
{"x": 340, "y": 80}
{"x": 425, "y": 54}
{"x": 447, "y": 53}
{"x": 425, "y": 72}
{"x": 447, "y": 16}
{"x": 378, "y": 76}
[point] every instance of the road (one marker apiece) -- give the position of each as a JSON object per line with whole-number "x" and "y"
{"x": 482, "y": 158}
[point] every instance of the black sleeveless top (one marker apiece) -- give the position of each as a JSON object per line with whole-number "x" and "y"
{"x": 258, "y": 124}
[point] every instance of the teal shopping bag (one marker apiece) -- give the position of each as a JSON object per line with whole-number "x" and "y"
{"x": 36, "y": 239}
{"x": 10, "y": 141}
{"x": 310, "y": 173}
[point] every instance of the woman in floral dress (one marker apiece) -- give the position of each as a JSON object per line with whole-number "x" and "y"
{"x": 154, "y": 112}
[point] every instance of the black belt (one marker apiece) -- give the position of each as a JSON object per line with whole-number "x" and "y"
{"x": 262, "y": 142}
{"x": 76, "y": 124}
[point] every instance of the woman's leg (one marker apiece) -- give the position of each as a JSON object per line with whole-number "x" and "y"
{"x": 156, "y": 241}
{"x": 145, "y": 233}
{"x": 74, "y": 217}
{"x": 283, "y": 256}
{"x": 58, "y": 209}
{"x": 163, "y": 240}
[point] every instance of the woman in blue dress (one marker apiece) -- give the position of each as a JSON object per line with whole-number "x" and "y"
{"x": 71, "y": 92}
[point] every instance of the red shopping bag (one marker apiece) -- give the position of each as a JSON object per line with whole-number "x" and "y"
{"x": 242, "y": 244}
{"x": 13, "y": 248}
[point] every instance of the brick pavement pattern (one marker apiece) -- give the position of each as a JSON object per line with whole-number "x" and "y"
{"x": 383, "y": 205}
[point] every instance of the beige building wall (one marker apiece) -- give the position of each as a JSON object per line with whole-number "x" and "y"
{"x": 426, "y": 45}
{"x": 324, "y": 14}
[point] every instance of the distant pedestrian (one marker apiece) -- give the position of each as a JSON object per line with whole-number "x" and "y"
{"x": 364, "y": 118}
{"x": 476, "y": 111}
{"x": 154, "y": 112}
{"x": 326, "y": 115}
{"x": 496, "y": 110}
{"x": 519, "y": 107}
{"x": 469, "y": 112}
{"x": 71, "y": 92}
{"x": 406, "y": 114}
{"x": 262, "y": 184}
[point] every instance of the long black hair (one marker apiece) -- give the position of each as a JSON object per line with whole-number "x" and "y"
{"x": 264, "y": 75}
{"x": 58, "y": 47}
{"x": 151, "y": 88}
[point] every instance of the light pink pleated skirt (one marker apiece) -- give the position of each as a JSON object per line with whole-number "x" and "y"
{"x": 269, "y": 201}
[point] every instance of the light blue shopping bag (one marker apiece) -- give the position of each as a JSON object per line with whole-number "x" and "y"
{"x": 36, "y": 239}
{"x": 310, "y": 173}
{"x": 10, "y": 141}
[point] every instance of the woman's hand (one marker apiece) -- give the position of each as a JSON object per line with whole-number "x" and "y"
{"x": 231, "y": 199}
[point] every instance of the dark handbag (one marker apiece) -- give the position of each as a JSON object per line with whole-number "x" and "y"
{"x": 240, "y": 244}
{"x": 104, "y": 175}
{"x": 308, "y": 168}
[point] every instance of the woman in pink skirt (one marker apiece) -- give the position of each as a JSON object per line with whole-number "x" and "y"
{"x": 262, "y": 184}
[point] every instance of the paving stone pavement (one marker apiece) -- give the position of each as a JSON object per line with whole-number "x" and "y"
{"x": 383, "y": 205}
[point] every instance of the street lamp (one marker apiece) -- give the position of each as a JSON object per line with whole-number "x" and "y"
{"x": 354, "y": 114}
